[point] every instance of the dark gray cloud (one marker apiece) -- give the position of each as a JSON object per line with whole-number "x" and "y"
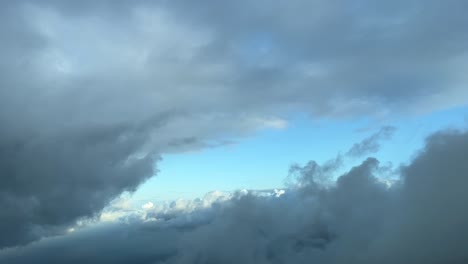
{"x": 359, "y": 219}
{"x": 341, "y": 56}
{"x": 371, "y": 144}
{"x": 49, "y": 183}
{"x": 92, "y": 92}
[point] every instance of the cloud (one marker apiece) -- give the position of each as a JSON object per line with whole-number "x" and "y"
{"x": 341, "y": 58}
{"x": 371, "y": 144}
{"x": 358, "y": 219}
{"x": 91, "y": 93}
{"x": 148, "y": 205}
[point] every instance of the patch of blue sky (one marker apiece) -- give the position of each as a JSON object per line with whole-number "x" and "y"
{"x": 262, "y": 160}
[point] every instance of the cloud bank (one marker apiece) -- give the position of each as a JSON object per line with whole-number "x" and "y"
{"x": 359, "y": 219}
{"x": 91, "y": 93}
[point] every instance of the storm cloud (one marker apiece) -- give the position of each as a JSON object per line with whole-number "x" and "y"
{"x": 92, "y": 93}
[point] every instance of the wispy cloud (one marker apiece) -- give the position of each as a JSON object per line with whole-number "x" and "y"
{"x": 371, "y": 144}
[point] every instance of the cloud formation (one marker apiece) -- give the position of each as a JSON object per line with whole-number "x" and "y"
{"x": 92, "y": 92}
{"x": 371, "y": 144}
{"x": 359, "y": 219}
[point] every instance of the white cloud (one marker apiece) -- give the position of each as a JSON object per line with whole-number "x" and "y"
{"x": 148, "y": 205}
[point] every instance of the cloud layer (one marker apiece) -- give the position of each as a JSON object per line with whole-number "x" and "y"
{"x": 91, "y": 93}
{"x": 359, "y": 219}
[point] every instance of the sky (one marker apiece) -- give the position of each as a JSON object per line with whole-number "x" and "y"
{"x": 233, "y": 132}
{"x": 261, "y": 161}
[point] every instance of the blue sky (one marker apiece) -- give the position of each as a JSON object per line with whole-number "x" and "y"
{"x": 261, "y": 161}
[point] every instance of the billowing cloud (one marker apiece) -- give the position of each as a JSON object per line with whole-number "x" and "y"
{"x": 92, "y": 92}
{"x": 358, "y": 219}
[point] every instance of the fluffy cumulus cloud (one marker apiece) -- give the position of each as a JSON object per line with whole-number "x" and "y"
{"x": 421, "y": 218}
{"x": 92, "y": 92}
